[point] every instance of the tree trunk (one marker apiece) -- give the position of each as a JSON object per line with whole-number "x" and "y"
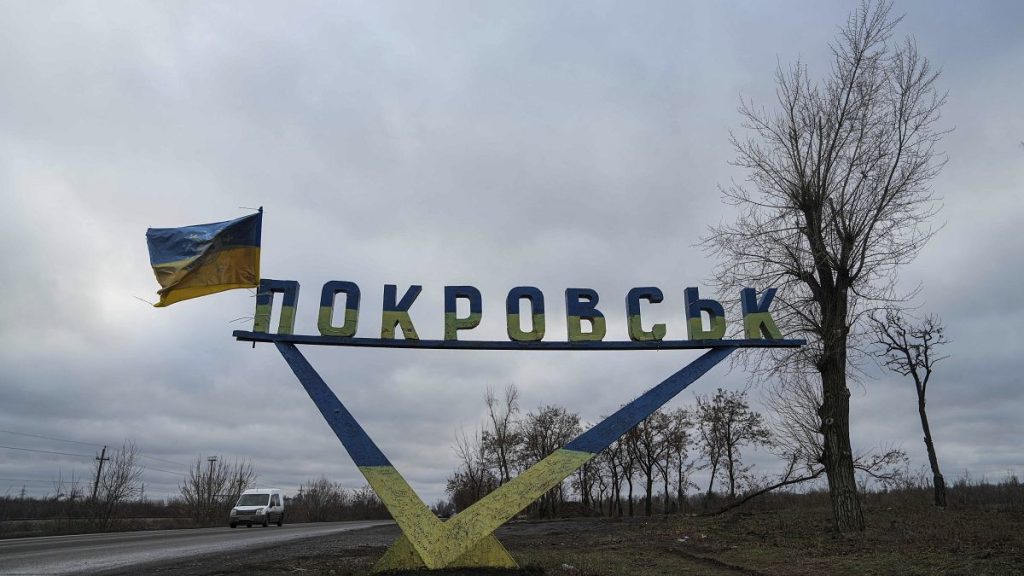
{"x": 648, "y": 507}
{"x": 668, "y": 499}
{"x": 630, "y": 481}
{"x": 835, "y": 427}
{"x": 680, "y": 490}
{"x": 615, "y": 499}
{"x": 711, "y": 483}
{"x": 732, "y": 474}
{"x": 938, "y": 482}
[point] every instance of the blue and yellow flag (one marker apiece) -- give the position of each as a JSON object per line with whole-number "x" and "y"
{"x": 205, "y": 259}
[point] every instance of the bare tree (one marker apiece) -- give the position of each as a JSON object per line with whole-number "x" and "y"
{"x": 71, "y": 494}
{"x": 584, "y": 479}
{"x": 473, "y": 479}
{"x": 710, "y": 448}
{"x": 321, "y": 500}
{"x": 647, "y": 445}
{"x": 117, "y": 482}
{"x": 795, "y": 437}
{"x": 675, "y": 436}
{"x": 727, "y": 424}
{"x": 838, "y": 200}
{"x": 209, "y": 492}
{"x": 500, "y": 441}
{"x": 543, "y": 432}
{"x": 366, "y": 504}
{"x": 912, "y": 350}
{"x": 603, "y": 482}
{"x": 679, "y": 445}
{"x": 616, "y": 456}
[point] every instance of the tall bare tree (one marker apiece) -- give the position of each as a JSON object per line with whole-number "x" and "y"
{"x": 543, "y": 432}
{"x": 912, "y": 350}
{"x": 647, "y": 443}
{"x": 500, "y": 441}
{"x": 616, "y": 456}
{"x": 679, "y": 446}
{"x": 727, "y": 424}
{"x": 603, "y": 482}
{"x": 676, "y": 437}
{"x": 473, "y": 479}
{"x": 837, "y": 201}
{"x": 584, "y": 479}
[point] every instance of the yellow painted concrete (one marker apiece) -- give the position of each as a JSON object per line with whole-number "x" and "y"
{"x": 487, "y": 553}
{"x": 418, "y": 523}
{"x": 467, "y": 539}
{"x": 503, "y": 504}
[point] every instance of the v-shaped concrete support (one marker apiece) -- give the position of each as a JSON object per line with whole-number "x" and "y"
{"x": 468, "y": 539}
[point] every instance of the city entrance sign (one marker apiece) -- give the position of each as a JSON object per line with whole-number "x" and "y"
{"x": 467, "y": 540}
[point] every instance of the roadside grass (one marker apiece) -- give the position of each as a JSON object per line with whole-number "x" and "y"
{"x": 981, "y": 533}
{"x": 904, "y": 535}
{"x": 790, "y": 534}
{"x": 63, "y": 526}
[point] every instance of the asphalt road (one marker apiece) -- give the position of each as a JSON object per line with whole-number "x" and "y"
{"x": 86, "y": 553}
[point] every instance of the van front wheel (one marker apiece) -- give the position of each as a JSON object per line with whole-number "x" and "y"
{"x": 280, "y": 520}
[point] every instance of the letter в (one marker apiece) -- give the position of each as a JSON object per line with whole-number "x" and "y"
{"x": 581, "y": 304}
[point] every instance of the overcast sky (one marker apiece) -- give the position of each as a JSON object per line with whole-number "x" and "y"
{"x": 443, "y": 143}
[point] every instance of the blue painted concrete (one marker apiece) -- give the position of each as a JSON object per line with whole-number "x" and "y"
{"x": 358, "y": 444}
{"x": 600, "y": 436}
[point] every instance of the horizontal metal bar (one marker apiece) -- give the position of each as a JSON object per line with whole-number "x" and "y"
{"x": 510, "y": 345}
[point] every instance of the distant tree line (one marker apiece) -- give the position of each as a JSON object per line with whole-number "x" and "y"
{"x": 662, "y": 453}
{"x": 112, "y": 497}
{"x": 321, "y": 500}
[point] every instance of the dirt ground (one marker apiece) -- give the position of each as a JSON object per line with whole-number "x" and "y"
{"x": 916, "y": 541}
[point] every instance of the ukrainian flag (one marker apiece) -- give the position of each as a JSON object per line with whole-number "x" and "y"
{"x": 205, "y": 259}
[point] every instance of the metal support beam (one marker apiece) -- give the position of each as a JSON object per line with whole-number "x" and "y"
{"x": 468, "y": 539}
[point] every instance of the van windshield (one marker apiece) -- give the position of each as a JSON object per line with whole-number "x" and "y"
{"x": 254, "y": 500}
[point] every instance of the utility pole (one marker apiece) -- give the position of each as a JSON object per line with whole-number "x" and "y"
{"x": 210, "y": 507}
{"x": 99, "y": 469}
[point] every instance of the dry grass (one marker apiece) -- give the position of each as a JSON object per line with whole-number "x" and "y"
{"x": 908, "y": 539}
{"x": 980, "y": 534}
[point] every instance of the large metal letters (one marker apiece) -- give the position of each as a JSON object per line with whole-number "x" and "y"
{"x": 467, "y": 540}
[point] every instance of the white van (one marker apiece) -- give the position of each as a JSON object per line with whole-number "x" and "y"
{"x": 258, "y": 506}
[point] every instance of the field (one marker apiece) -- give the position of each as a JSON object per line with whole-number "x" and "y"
{"x": 784, "y": 535}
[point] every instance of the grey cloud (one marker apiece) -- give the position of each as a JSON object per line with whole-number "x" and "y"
{"x": 556, "y": 146}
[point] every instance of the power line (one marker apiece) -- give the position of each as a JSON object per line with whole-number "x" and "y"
{"x": 48, "y": 452}
{"x": 84, "y": 444}
{"x": 88, "y": 456}
{"x": 49, "y": 438}
{"x": 162, "y": 470}
{"x": 164, "y": 461}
